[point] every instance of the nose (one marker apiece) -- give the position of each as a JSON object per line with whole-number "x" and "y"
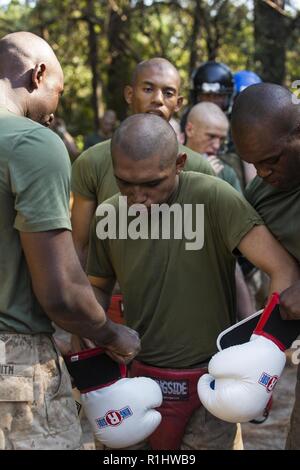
{"x": 158, "y": 97}
{"x": 262, "y": 171}
{"x": 138, "y": 195}
{"x": 216, "y": 143}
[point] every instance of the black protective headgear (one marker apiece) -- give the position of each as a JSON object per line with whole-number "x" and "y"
{"x": 212, "y": 78}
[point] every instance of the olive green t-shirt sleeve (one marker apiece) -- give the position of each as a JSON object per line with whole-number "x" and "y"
{"x": 84, "y": 175}
{"x": 39, "y": 174}
{"x": 98, "y": 262}
{"x": 233, "y": 214}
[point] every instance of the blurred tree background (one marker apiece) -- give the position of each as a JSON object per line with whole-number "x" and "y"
{"x": 100, "y": 42}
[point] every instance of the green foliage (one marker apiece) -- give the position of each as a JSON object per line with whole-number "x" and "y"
{"x": 128, "y": 31}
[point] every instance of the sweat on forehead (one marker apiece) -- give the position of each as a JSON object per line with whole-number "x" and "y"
{"x": 267, "y": 106}
{"x": 143, "y": 136}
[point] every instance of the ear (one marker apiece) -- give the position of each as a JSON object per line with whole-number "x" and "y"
{"x": 38, "y": 74}
{"x": 180, "y": 162}
{"x": 189, "y": 129}
{"x": 128, "y": 91}
{"x": 179, "y": 103}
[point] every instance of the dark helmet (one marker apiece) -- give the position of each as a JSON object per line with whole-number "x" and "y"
{"x": 212, "y": 78}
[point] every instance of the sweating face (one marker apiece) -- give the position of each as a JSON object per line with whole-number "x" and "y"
{"x": 45, "y": 98}
{"x": 155, "y": 91}
{"x": 144, "y": 181}
{"x": 276, "y": 158}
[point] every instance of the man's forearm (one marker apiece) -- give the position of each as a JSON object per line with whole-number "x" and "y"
{"x": 245, "y": 303}
{"x": 103, "y": 297}
{"x": 281, "y": 280}
{"x": 80, "y": 313}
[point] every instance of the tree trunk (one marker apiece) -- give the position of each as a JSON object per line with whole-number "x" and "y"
{"x": 93, "y": 60}
{"x": 270, "y": 32}
{"x": 194, "y": 54}
{"x": 118, "y": 71}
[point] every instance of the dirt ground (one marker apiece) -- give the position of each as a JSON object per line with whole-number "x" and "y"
{"x": 271, "y": 435}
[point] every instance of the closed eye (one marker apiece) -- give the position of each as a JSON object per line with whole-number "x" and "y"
{"x": 273, "y": 160}
{"x": 152, "y": 184}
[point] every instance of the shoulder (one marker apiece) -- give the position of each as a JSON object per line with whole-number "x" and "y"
{"x": 195, "y": 161}
{"x": 40, "y": 147}
{"x": 201, "y": 183}
{"x": 209, "y": 188}
{"x": 96, "y": 156}
{"x": 113, "y": 201}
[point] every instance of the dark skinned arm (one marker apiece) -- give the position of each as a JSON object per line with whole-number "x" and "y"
{"x": 66, "y": 296}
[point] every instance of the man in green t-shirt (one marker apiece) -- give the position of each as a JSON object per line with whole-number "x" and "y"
{"x": 155, "y": 89}
{"x": 179, "y": 290}
{"x": 40, "y": 277}
{"x": 266, "y": 132}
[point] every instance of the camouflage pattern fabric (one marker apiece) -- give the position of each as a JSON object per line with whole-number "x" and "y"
{"x": 37, "y": 410}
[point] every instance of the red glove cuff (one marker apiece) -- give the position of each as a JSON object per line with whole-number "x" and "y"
{"x": 272, "y": 326}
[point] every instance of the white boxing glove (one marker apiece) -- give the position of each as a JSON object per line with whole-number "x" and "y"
{"x": 241, "y": 378}
{"x": 121, "y": 411}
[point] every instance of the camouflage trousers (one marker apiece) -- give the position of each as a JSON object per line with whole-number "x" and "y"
{"x": 293, "y": 439}
{"x": 37, "y": 410}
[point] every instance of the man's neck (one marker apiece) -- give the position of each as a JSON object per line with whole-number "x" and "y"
{"x": 172, "y": 195}
{"x": 8, "y": 101}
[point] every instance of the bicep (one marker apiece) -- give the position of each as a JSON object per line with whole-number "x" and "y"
{"x": 52, "y": 262}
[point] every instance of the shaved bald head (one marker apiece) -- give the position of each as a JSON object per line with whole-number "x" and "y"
{"x": 145, "y": 159}
{"x": 266, "y": 132}
{"x": 265, "y": 105}
{"x": 31, "y": 78}
{"x": 21, "y": 50}
{"x": 143, "y": 136}
{"x": 207, "y": 112}
{"x": 156, "y": 62}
